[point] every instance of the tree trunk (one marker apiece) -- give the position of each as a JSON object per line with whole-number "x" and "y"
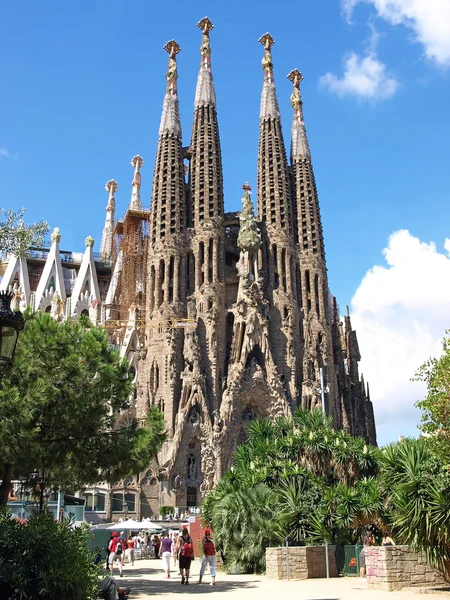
{"x": 6, "y": 486}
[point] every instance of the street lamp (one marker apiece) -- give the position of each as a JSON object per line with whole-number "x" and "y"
{"x": 10, "y": 325}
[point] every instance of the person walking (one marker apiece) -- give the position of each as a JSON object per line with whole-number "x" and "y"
{"x": 156, "y": 545}
{"x": 107, "y": 550}
{"x": 174, "y": 548}
{"x": 185, "y": 555}
{"x": 209, "y": 557}
{"x": 123, "y": 541}
{"x": 165, "y": 552}
{"x": 115, "y": 553}
{"x": 369, "y": 540}
{"x": 130, "y": 550}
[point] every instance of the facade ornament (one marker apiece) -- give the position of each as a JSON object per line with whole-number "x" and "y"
{"x": 205, "y": 49}
{"x": 135, "y": 203}
{"x": 172, "y": 48}
{"x": 89, "y": 241}
{"x": 267, "y": 41}
{"x": 300, "y": 145}
{"x": 249, "y": 237}
{"x": 56, "y": 236}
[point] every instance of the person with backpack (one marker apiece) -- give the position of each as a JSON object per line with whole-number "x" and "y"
{"x": 115, "y": 553}
{"x": 185, "y": 555}
{"x": 209, "y": 557}
{"x": 124, "y": 544}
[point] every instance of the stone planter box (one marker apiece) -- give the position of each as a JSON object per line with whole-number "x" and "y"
{"x": 395, "y": 567}
{"x": 305, "y": 562}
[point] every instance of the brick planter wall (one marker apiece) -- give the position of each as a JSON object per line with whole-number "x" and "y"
{"x": 305, "y": 562}
{"x": 395, "y": 567}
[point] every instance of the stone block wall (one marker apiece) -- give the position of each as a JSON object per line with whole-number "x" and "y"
{"x": 305, "y": 562}
{"x": 395, "y": 567}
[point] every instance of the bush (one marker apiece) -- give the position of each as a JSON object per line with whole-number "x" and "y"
{"x": 45, "y": 560}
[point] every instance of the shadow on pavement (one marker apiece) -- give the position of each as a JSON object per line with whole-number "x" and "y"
{"x": 173, "y": 586}
{"x": 141, "y": 586}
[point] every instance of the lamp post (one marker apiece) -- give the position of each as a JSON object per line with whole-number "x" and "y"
{"x": 11, "y": 324}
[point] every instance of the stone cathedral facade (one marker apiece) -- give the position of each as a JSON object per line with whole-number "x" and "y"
{"x": 224, "y": 317}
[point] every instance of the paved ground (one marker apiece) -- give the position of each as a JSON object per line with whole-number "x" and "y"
{"x": 147, "y": 581}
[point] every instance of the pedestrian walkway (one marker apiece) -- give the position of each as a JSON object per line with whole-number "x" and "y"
{"x": 147, "y": 581}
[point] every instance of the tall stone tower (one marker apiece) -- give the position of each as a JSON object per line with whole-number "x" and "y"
{"x": 315, "y": 313}
{"x": 205, "y": 220}
{"x": 279, "y": 253}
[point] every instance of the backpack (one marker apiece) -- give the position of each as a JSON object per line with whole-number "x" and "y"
{"x": 118, "y": 548}
{"x": 208, "y": 547}
{"x": 187, "y": 550}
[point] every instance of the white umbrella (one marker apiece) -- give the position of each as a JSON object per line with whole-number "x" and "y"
{"x": 148, "y": 524}
{"x": 122, "y": 525}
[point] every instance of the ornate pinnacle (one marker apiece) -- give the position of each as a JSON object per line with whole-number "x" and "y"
{"x": 249, "y": 237}
{"x": 56, "y": 236}
{"x": 111, "y": 187}
{"x": 89, "y": 241}
{"x": 267, "y": 41}
{"x": 172, "y": 48}
{"x": 296, "y": 101}
{"x": 137, "y": 162}
{"x": 206, "y": 26}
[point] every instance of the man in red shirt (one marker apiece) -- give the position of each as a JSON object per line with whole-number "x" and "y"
{"x": 115, "y": 553}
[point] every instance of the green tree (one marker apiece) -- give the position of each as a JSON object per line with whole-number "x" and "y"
{"x": 435, "y": 373}
{"x": 418, "y": 491}
{"x": 285, "y": 480}
{"x": 15, "y": 236}
{"x": 59, "y": 405}
{"x": 45, "y": 559}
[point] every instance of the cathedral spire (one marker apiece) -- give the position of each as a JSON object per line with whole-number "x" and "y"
{"x": 309, "y": 223}
{"x": 168, "y": 194}
{"x": 106, "y": 246}
{"x": 206, "y": 185}
{"x": 205, "y": 93}
{"x": 300, "y": 146}
{"x": 269, "y": 102}
{"x": 135, "y": 203}
{"x": 274, "y": 203}
{"x": 170, "y": 119}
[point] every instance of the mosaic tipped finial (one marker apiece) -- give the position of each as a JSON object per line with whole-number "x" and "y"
{"x": 267, "y": 41}
{"x": 136, "y": 162}
{"x": 206, "y": 26}
{"x": 172, "y": 48}
{"x": 111, "y": 187}
{"x": 56, "y": 235}
{"x": 296, "y": 100}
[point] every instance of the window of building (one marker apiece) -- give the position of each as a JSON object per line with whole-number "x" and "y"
{"x": 191, "y": 498}
{"x": 95, "y": 502}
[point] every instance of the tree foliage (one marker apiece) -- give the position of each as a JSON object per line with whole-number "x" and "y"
{"x": 59, "y": 405}
{"x": 290, "y": 478}
{"x": 435, "y": 372}
{"x": 45, "y": 559}
{"x": 15, "y": 236}
{"x": 418, "y": 491}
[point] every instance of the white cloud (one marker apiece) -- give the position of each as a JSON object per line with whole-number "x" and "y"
{"x": 5, "y": 153}
{"x": 428, "y": 19}
{"x": 365, "y": 77}
{"x": 400, "y": 312}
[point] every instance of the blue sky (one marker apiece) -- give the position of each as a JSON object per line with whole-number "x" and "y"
{"x": 82, "y": 89}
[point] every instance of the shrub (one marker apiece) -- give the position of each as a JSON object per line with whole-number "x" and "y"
{"x": 45, "y": 560}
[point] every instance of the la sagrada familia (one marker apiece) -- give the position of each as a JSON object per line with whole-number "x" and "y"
{"x": 224, "y": 317}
